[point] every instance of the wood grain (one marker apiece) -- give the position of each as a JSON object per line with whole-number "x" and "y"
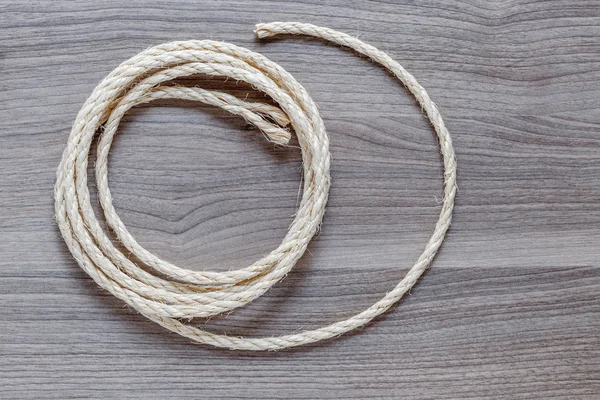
{"x": 509, "y": 309}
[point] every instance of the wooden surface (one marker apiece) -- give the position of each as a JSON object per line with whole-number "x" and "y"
{"x": 510, "y": 308}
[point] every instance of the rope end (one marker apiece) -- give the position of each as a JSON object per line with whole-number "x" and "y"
{"x": 261, "y": 32}
{"x": 278, "y": 136}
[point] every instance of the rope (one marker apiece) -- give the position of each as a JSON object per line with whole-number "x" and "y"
{"x": 170, "y": 295}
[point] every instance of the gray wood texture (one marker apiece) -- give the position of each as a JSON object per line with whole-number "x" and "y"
{"x": 510, "y": 308}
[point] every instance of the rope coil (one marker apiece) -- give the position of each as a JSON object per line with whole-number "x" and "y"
{"x": 171, "y": 294}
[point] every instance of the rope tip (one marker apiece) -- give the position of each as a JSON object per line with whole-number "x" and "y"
{"x": 261, "y": 32}
{"x": 279, "y": 136}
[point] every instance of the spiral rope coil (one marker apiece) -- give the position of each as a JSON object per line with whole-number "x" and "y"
{"x": 172, "y": 295}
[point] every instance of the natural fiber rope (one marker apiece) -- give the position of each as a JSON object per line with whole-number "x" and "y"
{"x": 171, "y": 295}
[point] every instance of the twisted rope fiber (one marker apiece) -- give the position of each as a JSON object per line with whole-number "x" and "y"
{"x": 172, "y": 295}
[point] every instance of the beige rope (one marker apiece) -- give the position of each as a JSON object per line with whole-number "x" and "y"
{"x": 171, "y": 294}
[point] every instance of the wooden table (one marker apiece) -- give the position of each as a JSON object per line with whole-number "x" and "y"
{"x": 510, "y": 307}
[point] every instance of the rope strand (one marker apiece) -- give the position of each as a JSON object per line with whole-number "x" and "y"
{"x": 171, "y": 294}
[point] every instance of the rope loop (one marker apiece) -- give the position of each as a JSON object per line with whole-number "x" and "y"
{"x": 170, "y": 295}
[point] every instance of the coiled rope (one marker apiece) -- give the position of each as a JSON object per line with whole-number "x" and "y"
{"x": 172, "y": 295}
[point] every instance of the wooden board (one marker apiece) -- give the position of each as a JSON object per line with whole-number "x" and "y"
{"x": 510, "y": 308}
